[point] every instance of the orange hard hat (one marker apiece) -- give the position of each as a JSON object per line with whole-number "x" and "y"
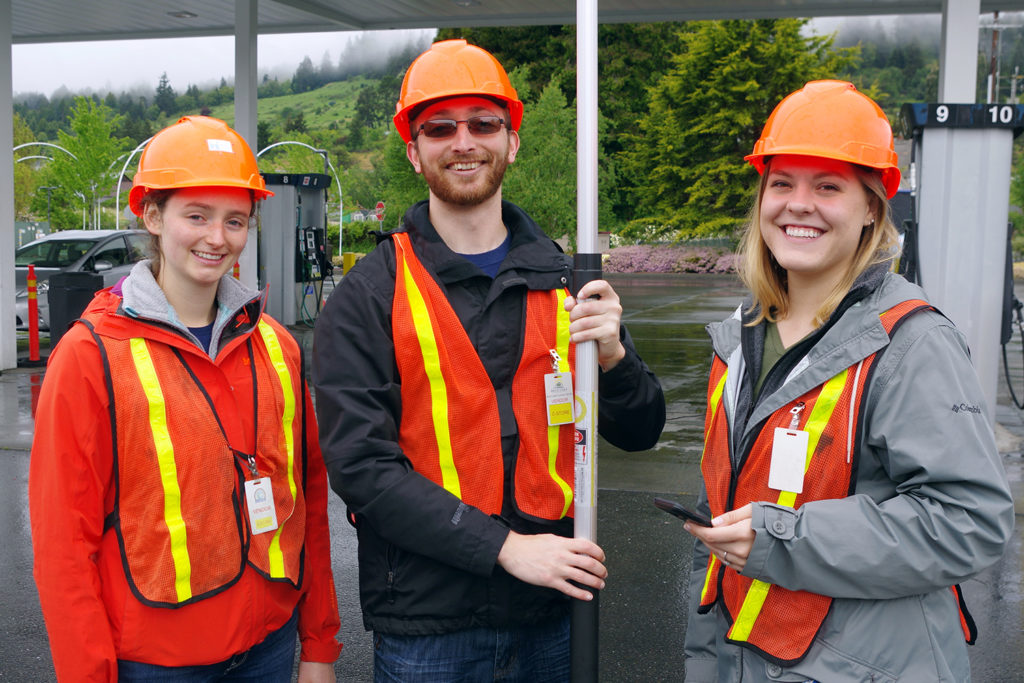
{"x": 453, "y": 68}
{"x": 830, "y": 119}
{"x": 197, "y": 151}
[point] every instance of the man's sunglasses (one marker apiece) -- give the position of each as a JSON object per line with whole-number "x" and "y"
{"x": 438, "y": 129}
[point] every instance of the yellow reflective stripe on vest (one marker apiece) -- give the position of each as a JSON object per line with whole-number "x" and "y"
{"x": 438, "y": 388}
{"x": 273, "y": 345}
{"x": 708, "y": 576}
{"x": 168, "y": 470}
{"x": 752, "y": 603}
{"x": 819, "y": 418}
{"x": 716, "y": 400}
{"x": 562, "y": 344}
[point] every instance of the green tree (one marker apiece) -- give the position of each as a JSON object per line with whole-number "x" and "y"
{"x": 26, "y": 177}
{"x": 706, "y": 114}
{"x": 403, "y": 187}
{"x": 631, "y": 58}
{"x": 305, "y": 77}
{"x": 548, "y": 50}
{"x": 543, "y": 178}
{"x": 374, "y": 106}
{"x": 90, "y": 177}
{"x": 165, "y": 95}
{"x": 293, "y": 122}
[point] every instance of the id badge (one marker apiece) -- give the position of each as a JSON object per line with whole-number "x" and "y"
{"x": 789, "y": 458}
{"x": 559, "y": 398}
{"x": 259, "y": 499}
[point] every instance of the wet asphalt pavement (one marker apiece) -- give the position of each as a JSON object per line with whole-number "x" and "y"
{"x": 643, "y": 608}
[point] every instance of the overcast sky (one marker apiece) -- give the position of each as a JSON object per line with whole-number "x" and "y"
{"x": 102, "y": 66}
{"x": 110, "y": 65}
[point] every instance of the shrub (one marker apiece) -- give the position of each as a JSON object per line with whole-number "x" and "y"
{"x": 660, "y": 258}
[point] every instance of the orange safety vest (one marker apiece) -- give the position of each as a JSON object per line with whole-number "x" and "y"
{"x": 181, "y": 518}
{"x": 777, "y": 623}
{"x": 450, "y": 428}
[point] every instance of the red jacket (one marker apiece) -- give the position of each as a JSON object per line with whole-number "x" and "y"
{"x": 92, "y": 616}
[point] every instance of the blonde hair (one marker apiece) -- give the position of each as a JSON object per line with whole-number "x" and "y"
{"x": 766, "y": 279}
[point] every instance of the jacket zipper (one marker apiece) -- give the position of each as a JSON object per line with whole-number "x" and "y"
{"x": 389, "y": 586}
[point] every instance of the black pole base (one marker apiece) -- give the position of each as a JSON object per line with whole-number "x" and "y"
{"x": 583, "y": 639}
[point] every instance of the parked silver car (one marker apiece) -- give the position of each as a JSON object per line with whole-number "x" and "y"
{"x": 109, "y": 252}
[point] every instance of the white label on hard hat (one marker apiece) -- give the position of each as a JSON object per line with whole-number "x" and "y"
{"x": 219, "y": 145}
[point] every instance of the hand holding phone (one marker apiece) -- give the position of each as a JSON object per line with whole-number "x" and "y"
{"x": 674, "y": 508}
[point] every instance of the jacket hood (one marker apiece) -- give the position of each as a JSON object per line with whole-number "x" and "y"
{"x": 142, "y": 299}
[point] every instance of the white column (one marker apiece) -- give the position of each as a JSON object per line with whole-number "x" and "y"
{"x": 245, "y": 109}
{"x": 8, "y": 338}
{"x": 962, "y": 217}
{"x": 958, "y": 56}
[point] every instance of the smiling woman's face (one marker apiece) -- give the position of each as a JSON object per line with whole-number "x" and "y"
{"x": 202, "y": 231}
{"x": 813, "y": 211}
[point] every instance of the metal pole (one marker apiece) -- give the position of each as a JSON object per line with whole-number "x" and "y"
{"x": 584, "y": 638}
{"x": 993, "y": 74}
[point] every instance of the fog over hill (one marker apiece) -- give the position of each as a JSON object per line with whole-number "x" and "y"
{"x": 135, "y": 66}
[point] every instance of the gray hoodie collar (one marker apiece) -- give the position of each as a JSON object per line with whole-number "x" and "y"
{"x": 143, "y": 299}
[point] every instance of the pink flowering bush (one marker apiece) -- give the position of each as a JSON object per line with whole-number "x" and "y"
{"x": 664, "y": 258}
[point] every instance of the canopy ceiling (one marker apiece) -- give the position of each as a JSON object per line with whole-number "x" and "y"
{"x": 46, "y": 21}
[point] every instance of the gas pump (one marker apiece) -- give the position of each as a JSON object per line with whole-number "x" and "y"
{"x": 960, "y": 178}
{"x": 294, "y": 258}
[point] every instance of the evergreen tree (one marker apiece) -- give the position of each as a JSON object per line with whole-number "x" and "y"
{"x": 543, "y": 178}
{"x": 305, "y": 76}
{"x": 374, "y": 106}
{"x": 165, "y": 95}
{"x": 548, "y": 50}
{"x": 706, "y": 114}
{"x": 326, "y": 73}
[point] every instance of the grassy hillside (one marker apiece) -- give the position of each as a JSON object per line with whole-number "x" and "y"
{"x": 329, "y": 107}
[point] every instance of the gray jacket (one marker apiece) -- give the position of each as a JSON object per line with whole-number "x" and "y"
{"x": 931, "y": 507}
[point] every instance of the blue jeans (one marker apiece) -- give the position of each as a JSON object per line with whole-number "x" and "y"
{"x": 271, "y": 661}
{"x": 524, "y": 654}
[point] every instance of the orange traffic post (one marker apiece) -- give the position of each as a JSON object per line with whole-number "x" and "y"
{"x": 33, "y": 316}
{"x": 234, "y": 270}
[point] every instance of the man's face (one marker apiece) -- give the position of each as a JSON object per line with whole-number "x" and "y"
{"x": 465, "y": 168}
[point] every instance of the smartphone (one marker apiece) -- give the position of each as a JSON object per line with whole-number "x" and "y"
{"x": 674, "y": 508}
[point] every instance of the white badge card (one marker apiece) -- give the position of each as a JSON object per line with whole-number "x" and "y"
{"x": 559, "y": 398}
{"x": 789, "y": 458}
{"x": 259, "y": 499}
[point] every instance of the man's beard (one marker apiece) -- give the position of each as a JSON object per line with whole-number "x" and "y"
{"x": 449, "y": 189}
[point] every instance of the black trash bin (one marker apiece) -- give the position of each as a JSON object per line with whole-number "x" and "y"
{"x": 68, "y": 296}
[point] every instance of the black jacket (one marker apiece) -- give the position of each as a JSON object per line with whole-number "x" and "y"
{"x": 422, "y": 568}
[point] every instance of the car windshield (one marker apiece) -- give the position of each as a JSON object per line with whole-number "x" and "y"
{"x": 53, "y": 253}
